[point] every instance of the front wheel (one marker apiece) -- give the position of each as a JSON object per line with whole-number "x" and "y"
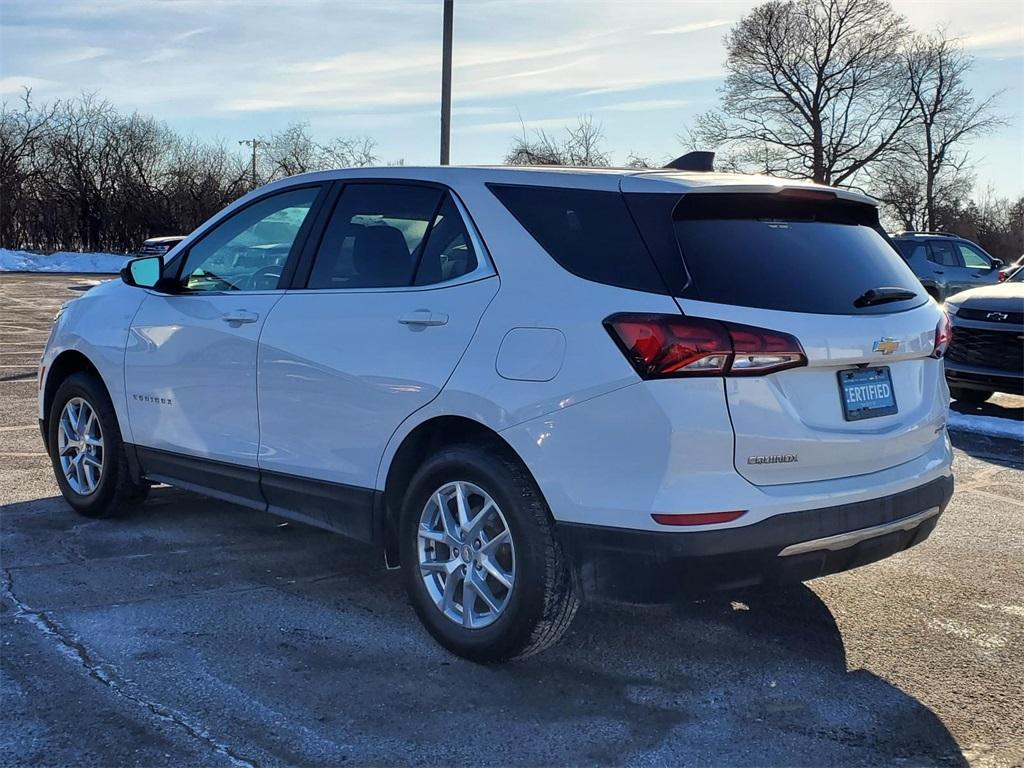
{"x": 970, "y": 395}
{"x": 484, "y": 569}
{"x": 87, "y": 452}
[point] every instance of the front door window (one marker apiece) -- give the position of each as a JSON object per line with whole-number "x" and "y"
{"x": 248, "y": 251}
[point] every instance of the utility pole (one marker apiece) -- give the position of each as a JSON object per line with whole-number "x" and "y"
{"x": 446, "y": 82}
{"x": 255, "y": 144}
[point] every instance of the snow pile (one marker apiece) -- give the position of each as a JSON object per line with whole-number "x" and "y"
{"x": 62, "y": 261}
{"x": 993, "y": 426}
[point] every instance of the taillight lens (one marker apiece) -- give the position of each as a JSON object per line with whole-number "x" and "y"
{"x": 661, "y": 346}
{"x": 943, "y": 335}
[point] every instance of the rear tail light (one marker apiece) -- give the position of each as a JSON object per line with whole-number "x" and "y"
{"x": 660, "y": 346}
{"x": 943, "y": 335}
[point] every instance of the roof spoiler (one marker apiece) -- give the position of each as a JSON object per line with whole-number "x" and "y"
{"x": 694, "y": 161}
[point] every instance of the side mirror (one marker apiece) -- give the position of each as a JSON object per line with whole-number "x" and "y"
{"x": 998, "y": 264}
{"x": 144, "y": 272}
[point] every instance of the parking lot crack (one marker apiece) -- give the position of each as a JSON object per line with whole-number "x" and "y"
{"x": 72, "y": 648}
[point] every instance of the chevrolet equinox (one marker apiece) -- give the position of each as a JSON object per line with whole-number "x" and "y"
{"x": 528, "y": 387}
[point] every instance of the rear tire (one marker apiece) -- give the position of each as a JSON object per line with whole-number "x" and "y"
{"x": 99, "y": 484}
{"x": 444, "y": 568}
{"x": 970, "y": 395}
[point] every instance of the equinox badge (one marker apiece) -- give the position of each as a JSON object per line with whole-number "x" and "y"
{"x": 886, "y": 346}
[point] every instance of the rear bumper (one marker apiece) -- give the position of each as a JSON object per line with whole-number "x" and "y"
{"x": 655, "y": 566}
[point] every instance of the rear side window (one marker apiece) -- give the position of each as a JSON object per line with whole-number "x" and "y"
{"x": 794, "y": 255}
{"x": 909, "y": 249}
{"x": 449, "y": 251}
{"x": 942, "y": 253}
{"x": 392, "y": 236}
{"x": 589, "y": 233}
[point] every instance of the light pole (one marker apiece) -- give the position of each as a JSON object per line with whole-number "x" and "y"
{"x": 255, "y": 144}
{"x": 446, "y": 82}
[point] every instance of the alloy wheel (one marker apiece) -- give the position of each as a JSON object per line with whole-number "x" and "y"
{"x": 466, "y": 555}
{"x": 80, "y": 446}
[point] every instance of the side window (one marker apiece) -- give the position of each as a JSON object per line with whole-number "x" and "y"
{"x": 910, "y": 250}
{"x": 375, "y": 236}
{"x": 248, "y": 251}
{"x": 589, "y": 233}
{"x": 942, "y": 253}
{"x": 973, "y": 258}
{"x": 449, "y": 253}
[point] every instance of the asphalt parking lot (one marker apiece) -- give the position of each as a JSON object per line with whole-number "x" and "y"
{"x": 199, "y": 633}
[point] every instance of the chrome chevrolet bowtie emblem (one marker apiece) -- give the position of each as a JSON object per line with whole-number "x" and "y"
{"x": 886, "y": 346}
{"x": 997, "y": 316}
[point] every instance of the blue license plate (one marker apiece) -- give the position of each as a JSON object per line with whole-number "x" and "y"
{"x": 866, "y": 393}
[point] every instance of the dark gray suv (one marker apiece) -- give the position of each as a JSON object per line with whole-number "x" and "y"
{"x": 946, "y": 264}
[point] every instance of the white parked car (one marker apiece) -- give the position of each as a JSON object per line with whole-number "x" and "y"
{"x": 526, "y": 386}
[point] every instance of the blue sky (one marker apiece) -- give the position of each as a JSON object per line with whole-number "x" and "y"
{"x": 236, "y": 68}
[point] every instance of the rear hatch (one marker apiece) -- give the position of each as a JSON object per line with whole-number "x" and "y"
{"x": 818, "y": 268}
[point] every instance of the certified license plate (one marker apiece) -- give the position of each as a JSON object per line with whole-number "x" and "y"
{"x": 866, "y": 393}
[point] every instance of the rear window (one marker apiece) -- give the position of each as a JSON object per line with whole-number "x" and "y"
{"x": 590, "y": 233}
{"x": 793, "y": 255}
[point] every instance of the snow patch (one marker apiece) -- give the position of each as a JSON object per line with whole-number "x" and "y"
{"x": 62, "y": 261}
{"x": 992, "y": 426}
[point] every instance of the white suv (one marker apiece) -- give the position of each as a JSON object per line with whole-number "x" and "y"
{"x": 527, "y": 386}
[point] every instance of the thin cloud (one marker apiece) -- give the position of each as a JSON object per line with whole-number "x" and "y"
{"x": 995, "y": 38}
{"x": 76, "y": 55}
{"x": 15, "y": 83}
{"x": 191, "y": 33}
{"x": 697, "y": 26}
{"x": 515, "y": 125}
{"x": 643, "y": 105}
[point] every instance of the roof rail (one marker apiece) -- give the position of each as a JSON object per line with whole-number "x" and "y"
{"x": 924, "y": 232}
{"x": 694, "y": 161}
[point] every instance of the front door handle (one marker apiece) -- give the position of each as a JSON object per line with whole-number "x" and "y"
{"x": 239, "y": 317}
{"x": 424, "y": 317}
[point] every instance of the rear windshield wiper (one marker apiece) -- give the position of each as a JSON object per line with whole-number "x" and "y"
{"x": 874, "y": 296}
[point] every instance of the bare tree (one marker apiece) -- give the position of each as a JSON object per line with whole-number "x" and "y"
{"x": 23, "y": 130}
{"x": 294, "y": 150}
{"x": 929, "y": 171}
{"x": 815, "y": 89}
{"x": 581, "y": 146}
{"x": 79, "y": 174}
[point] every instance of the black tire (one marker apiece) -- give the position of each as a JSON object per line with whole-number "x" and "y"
{"x": 970, "y": 395}
{"x": 115, "y": 493}
{"x": 542, "y": 601}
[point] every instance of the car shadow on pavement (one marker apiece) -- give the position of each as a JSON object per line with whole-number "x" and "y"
{"x": 294, "y": 646}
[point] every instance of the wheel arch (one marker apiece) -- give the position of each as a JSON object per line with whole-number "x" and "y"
{"x": 426, "y": 438}
{"x": 67, "y": 363}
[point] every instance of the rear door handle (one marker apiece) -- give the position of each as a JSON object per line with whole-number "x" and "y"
{"x": 239, "y": 317}
{"x": 424, "y": 317}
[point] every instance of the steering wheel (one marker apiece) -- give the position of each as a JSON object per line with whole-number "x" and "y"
{"x": 264, "y": 278}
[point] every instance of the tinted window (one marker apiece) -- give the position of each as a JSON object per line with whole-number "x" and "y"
{"x": 448, "y": 253}
{"x": 973, "y": 258}
{"x": 765, "y": 251}
{"x": 248, "y": 251}
{"x": 909, "y": 249}
{"x": 942, "y": 253}
{"x": 589, "y": 233}
{"x": 375, "y": 236}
